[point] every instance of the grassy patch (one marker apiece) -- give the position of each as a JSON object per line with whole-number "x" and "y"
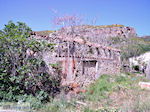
{"x": 101, "y": 110}
{"x": 59, "y": 106}
{"x": 117, "y": 93}
{"x": 99, "y": 89}
{"x": 106, "y": 84}
{"x": 110, "y": 93}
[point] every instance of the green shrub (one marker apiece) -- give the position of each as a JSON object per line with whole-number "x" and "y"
{"x": 136, "y": 67}
{"x": 130, "y": 47}
{"x": 22, "y": 70}
{"x": 134, "y": 47}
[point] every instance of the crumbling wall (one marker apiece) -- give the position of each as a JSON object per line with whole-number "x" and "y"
{"x": 148, "y": 71}
{"x": 75, "y": 54}
{"x": 109, "y": 67}
{"x": 97, "y": 34}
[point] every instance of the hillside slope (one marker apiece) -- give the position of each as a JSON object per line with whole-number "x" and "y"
{"x": 119, "y": 36}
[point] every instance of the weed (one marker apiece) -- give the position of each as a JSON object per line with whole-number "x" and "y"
{"x": 99, "y": 89}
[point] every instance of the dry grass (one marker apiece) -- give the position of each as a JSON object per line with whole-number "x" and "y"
{"x": 110, "y": 94}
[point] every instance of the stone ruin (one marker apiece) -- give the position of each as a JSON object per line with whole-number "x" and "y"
{"x": 80, "y": 60}
{"x": 98, "y": 34}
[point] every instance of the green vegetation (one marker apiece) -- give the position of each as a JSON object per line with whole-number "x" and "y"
{"x": 131, "y": 47}
{"x": 98, "y": 90}
{"x": 107, "y": 94}
{"x": 135, "y": 47}
{"x": 101, "y": 110}
{"x": 61, "y": 105}
{"x": 105, "y": 85}
{"x": 117, "y": 93}
{"x": 24, "y": 75}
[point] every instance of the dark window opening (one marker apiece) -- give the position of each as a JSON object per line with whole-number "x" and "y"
{"x": 88, "y": 64}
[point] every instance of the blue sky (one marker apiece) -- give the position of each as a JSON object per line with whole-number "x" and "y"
{"x": 38, "y": 14}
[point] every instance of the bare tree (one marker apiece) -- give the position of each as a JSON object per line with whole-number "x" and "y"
{"x": 67, "y": 25}
{"x": 67, "y": 20}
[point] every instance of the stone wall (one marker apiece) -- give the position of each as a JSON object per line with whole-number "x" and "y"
{"x": 81, "y": 60}
{"x": 97, "y": 34}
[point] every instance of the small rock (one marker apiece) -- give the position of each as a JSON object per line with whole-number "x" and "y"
{"x": 145, "y": 85}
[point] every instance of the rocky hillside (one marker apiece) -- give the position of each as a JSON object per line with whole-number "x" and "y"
{"x": 89, "y": 31}
{"x": 44, "y": 33}
{"x": 119, "y": 36}
{"x": 96, "y": 34}
{"x": 146, "y": 38}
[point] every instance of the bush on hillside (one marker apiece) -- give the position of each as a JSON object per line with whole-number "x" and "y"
{"x": 22, "y": 70}
{"x": 135, "y": 47}
{"x": 130, "y": 47}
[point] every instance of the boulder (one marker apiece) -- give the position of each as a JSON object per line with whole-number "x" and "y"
{"x": 145, "y": 85}
{"x": 141, "y": 61}
{"x": 147, "y": 71}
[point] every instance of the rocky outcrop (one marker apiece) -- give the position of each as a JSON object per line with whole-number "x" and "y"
{"x": 97, "y": 34}
{"x": 147, "y": 71}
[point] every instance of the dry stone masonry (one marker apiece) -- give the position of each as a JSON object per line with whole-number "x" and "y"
{"x": 98, "y": 34}
{"x": 81, "y": 60}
